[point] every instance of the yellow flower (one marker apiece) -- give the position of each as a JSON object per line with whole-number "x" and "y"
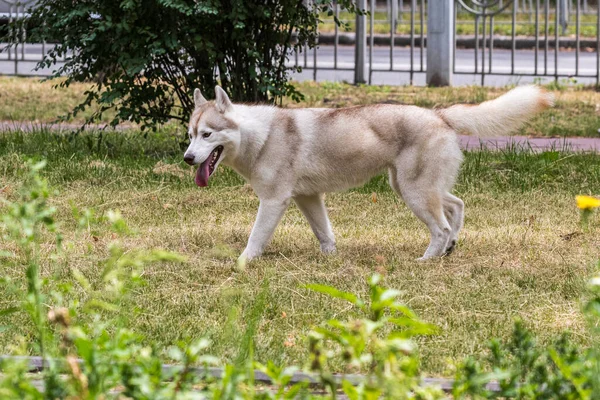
{"x": 587, "y": 202}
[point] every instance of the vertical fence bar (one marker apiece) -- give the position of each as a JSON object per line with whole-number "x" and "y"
{"x": 556, "y": 39}
{"x": 10, "y": 29}
{"x": 23, "y": 38}
{"x": 476, "y": 43}
{"x": 336, "y": 39}
{"x": 598, "y": 45}
{"x": 361, "y": 43}
{"x": 14, "y": 9}
{"x": 315, "y": 64}
{"x": 483, "y": 50}
{"x": 43, "y": 47}
{"x": 305, "y": 51}
{"x": 547, "y": 12}
{"x": 514, "y": 39}
{"x": 413, "y": 5}
{"x": 315, "y": 54}
{"x": 453, "y": 38}
{"x": 537, "y": 34}
{"x": 491, "y": 51}
{"x": 577, "y": 32}
{"x": 305, "y": 56}
{"x": 422, "y": 32}
{"x": 371, "y": 39}
{"x": 393, "y": 16}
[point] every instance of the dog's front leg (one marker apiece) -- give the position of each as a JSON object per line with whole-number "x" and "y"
{"x": 269, "y": 214}
{"x": 315, "y": 212}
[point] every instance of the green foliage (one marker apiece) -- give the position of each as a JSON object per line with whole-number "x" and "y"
{"x": 147, "y": 56}
{"x": 92, "y": 360}
{"x": 88, "y": 352}
{"x": 524, "y": 369}
{"x": 380, "y": 343}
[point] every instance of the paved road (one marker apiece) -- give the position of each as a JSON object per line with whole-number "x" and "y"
{"x": 465, "y": 64}
{"x": 501, "y": 63}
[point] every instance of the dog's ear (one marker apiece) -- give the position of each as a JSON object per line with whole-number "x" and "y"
{"x": 198, "y": 98}
{"x": 222, "y": 100}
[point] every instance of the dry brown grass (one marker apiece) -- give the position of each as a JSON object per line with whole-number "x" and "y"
{"x": 576, "y": 112}
{"x": 29, "y": 99}
{"x": 522, "y": 253}
{"x": 511, "y": 262}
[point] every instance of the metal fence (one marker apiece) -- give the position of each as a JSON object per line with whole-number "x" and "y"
{"x": 391, "y": 51}
{"x": 554, "y": 49}
{"x": 22, "y": 58}
{"x": 518, "y": 38}
{"x": 514, "y": 38}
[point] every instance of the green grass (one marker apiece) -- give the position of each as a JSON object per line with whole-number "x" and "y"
{"x": 465, "y": 24}
{"x": 576, "y": 112}
{"x": 522, "y": 253}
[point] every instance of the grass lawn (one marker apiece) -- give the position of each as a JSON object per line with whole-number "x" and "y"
{"x": 465, "y": 24}
{"x": 576, "y": 113}
{"x": 522, "y": 252}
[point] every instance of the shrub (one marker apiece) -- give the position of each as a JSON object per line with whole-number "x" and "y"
{"x": 145, "y": 57}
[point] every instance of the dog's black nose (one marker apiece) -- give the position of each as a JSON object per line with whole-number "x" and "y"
{"x": 188, "y": 158}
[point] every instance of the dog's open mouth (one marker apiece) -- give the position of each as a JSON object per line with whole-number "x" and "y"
{"x": 206, "y": 169}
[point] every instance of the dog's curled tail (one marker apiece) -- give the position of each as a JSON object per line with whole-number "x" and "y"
{"x": 501, "y": 116}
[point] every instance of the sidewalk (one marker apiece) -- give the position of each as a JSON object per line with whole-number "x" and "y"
{"x": 466, "y": 41}
{"x": 471, "y": 143}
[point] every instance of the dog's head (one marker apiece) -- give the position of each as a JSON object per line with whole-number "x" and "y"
{"x": 213, "y": 134}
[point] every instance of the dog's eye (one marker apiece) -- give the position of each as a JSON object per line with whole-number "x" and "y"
{"x": 206, "y": 134}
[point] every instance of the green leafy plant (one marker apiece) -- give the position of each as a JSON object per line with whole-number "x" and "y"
{"x": 380, "y": 342}
{"x": 146, "y": 57}
{"x": 524, "y": 369}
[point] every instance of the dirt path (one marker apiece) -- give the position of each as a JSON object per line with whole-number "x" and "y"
{"x": 466, "y": 142}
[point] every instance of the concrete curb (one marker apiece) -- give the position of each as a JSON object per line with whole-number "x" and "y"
{"x": 36, "y": 364}
{"x": 464, "y": 41}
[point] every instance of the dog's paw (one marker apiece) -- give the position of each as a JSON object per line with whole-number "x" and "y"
{"x": 328, "y": 248}
{"x": 451, "y": 247}
{"x": 241, "y": 263}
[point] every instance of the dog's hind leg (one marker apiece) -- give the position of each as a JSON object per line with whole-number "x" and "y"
{"x": 454, "y": 212}
{"x": 427, "y": 204}
{"x": 313, "y": 208}
{"x": 422, "y": 186}
{"x": 269, "y": 214}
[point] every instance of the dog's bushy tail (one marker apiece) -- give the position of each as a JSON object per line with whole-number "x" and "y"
{"x": 501, "y": 116}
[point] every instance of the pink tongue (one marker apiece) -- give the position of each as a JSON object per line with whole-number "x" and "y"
{"x": 204, "y": 172}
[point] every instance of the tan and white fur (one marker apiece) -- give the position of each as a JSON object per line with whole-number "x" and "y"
{"x": 299, "y": 154}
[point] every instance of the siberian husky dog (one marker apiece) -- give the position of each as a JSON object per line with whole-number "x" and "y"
{"x": 299, "y": 154}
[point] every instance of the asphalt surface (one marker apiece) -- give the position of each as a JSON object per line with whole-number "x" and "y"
{"x": 524, "y": 63}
